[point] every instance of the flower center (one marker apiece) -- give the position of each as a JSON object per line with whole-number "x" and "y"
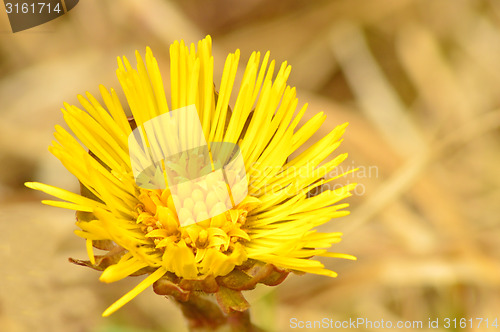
{"x": 159, "y": 221}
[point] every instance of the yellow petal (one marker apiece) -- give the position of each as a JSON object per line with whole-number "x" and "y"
{"x": 151, "y": 279}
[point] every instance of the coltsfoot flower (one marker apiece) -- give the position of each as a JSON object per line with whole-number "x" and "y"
{"x": 267, "y": 233}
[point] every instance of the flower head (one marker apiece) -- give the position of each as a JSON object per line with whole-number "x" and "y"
{"x": 196, "y": 237}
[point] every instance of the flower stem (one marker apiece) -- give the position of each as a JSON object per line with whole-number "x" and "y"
{"x": 240, "y": 321}
{"x": 202, "y": 315}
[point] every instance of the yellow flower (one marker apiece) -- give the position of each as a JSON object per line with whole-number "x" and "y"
{"x": 275, "y": 219}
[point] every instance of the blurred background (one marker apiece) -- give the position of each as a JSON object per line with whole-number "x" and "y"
{"x": 419, "y": 83}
